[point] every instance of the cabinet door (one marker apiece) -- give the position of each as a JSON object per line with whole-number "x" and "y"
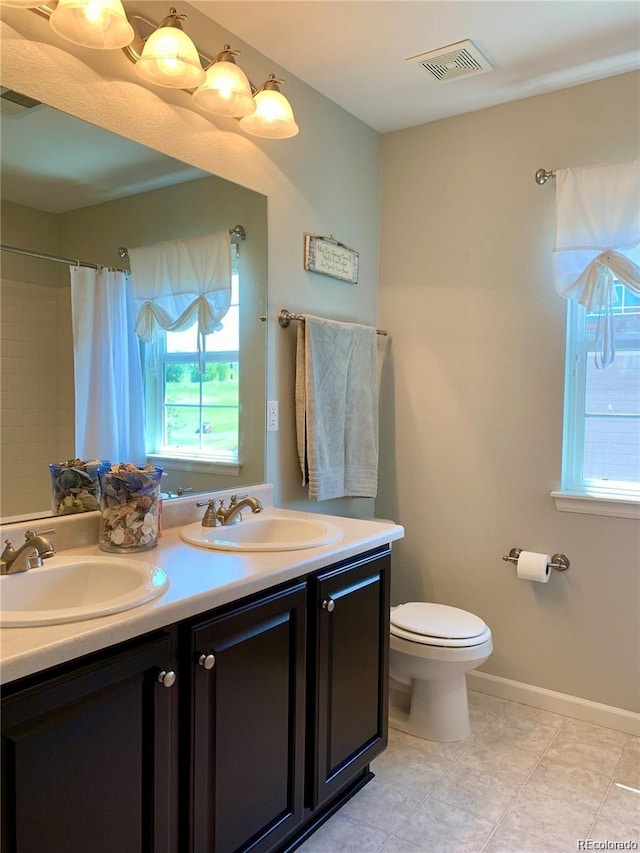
{"x": 248, "y": 725}
{"x": 352, "y": 666}
{"x": 86, "y": 759}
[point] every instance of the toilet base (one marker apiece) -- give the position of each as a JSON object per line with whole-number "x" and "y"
{"x": 439, "y": 710}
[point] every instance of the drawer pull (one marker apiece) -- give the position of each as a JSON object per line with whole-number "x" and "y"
{"x": 207, "y": 661}
{"x": 329, "y": 605}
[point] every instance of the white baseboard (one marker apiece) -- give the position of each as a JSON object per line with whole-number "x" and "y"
{"x": 558, "y": 703}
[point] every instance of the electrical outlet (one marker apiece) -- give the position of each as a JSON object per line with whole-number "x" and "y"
{"x": 272, "y": 415}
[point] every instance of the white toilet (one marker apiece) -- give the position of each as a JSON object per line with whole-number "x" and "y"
{"x": 433, "y": 646}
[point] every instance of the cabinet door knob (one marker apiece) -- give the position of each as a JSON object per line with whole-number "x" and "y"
{"x": 329, "y": 605}
{"x": 207, "y": 661}
{"x": 168, "y": 679}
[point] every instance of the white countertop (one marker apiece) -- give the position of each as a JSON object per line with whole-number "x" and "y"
{"x": 200, "y": 580}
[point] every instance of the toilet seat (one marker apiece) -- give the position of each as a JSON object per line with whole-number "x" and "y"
{"x": 438, "y": 625}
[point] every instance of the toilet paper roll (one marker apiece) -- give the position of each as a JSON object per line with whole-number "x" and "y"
{"x": 534, "y": 567}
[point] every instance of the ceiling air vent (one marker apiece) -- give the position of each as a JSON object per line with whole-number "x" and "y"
{"x": 462, "y": 59}
{"x": 15, "y": 104}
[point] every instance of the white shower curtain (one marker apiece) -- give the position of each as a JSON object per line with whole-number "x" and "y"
{"x": 108, "y": 372}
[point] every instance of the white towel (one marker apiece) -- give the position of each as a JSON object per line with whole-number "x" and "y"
{"x": 337, "y": 408}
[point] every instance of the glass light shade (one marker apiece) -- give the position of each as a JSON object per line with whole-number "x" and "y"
{"x": 170, "y": 58}
{"x": 273, "y": 117}
{"x": 226, "y": 91}
{"x": 100, "y": 24}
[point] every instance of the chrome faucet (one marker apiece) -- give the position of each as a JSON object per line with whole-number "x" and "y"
{"x": 227, "y": 515}
{"x": 29, "y": 555}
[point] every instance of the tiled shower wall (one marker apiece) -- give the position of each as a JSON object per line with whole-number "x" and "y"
{"x": 36, "y": 392}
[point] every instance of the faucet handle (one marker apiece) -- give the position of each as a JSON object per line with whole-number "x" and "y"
{"x": 235, "y": 498}
{"x": 209, "y": 519}
{"x": 9, "y": 550}
{"x": 31, "y": 534}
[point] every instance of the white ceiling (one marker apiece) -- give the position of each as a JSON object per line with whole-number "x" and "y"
{"x": 354, "y": 51}
{"x": 54, "y": 162}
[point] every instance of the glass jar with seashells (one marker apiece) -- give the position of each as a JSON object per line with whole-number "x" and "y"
{"x": 129, "y": 507}
{"x": 75, "y": 485}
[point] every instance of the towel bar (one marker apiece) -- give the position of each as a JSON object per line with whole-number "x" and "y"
{"x": 285, "y": 317}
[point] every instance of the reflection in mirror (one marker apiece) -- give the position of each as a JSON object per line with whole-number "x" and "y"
{"x": 73, "y": 190}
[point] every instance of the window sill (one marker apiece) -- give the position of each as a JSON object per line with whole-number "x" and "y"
{"x": 195, "y": 465}
{"x": 601, "y": 503}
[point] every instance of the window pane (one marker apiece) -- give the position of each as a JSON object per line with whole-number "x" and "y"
{"x": 615, "y": 390}
{"x": 186, "y": 341}
{"x": 220, "y": 384}
{"x": 626, "y": 315}
{"x": 182, "y": 424}
{"x": 612, "y": 425}
{"x": 612, "y": 449}
{"x": 182, "y": 384}
{"x": 226, "y": 339}
{"x": 220, "y": 431}
{"x": 212, "y": 429}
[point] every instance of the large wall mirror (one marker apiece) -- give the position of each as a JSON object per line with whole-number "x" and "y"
{"x": 73, "y": 190}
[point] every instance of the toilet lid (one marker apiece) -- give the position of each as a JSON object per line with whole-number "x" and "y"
{"x": 436, "y": 620}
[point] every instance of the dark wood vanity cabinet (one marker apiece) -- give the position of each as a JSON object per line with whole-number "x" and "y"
{"x": 248, "y": 724}
{"x": 350, "y": 701}
{"x": 288, "y": 707}
{"x": 86, "y": 758}
{"x": 279, "y": 705}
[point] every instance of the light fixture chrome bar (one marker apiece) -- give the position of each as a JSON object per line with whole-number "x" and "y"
{"x": 72, "y": 262}
{"x": 542, "y": 176}
{"x": 275, "y": 122}
{"x": 285, "y": 317}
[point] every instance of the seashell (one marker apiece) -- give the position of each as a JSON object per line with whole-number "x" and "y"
{"x": 69, "y": 478}
{"x": 117, "y": 536}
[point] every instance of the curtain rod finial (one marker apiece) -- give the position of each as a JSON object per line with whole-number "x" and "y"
{"x": 542, "y": 176}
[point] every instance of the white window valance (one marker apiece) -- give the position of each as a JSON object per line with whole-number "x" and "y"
{"x": 598, "y": 240}
{"x": 179, "y": 282}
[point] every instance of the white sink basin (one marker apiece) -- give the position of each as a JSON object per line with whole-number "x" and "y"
{"x": 264, "y": 533}
{"x": 68, "y": 589}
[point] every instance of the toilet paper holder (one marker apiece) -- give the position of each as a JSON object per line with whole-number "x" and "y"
{"x": 558, "y": 562}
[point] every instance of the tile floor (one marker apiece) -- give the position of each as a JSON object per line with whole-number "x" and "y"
{"x": 526, "y": 781}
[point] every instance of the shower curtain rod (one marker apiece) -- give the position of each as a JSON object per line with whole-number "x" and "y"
{"x": 237, "y": 231}
{"x": 72, "y": 262}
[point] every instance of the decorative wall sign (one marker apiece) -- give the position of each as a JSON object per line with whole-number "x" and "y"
{"x": 326, "y": 256}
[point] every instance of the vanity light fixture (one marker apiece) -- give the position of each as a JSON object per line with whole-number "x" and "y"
{"x": 226, "y": 90}
{"x": 100, "y": 24}
{"x": 169, "y": 57}
{"x": 273, "y": 116}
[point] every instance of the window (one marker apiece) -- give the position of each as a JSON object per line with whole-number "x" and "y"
{"x": 601, "y": 447}
{"x": 194, "y": 415}
{"x": 596, "y": 257}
